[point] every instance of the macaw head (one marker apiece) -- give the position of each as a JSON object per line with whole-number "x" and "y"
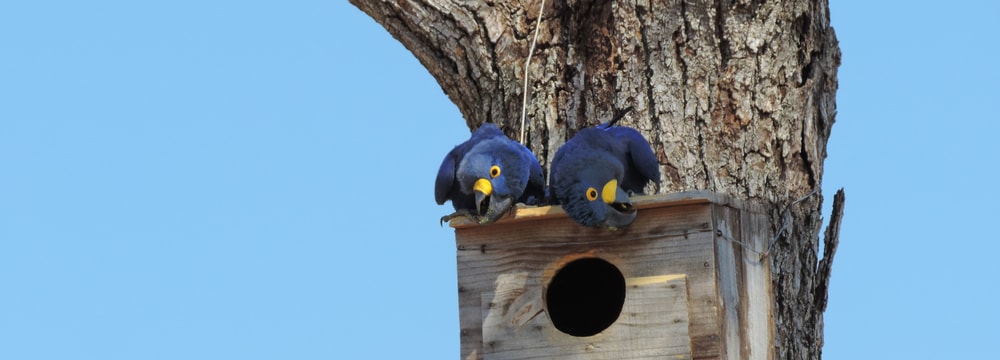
{"x": 496, "y": 173}
{"x": 589, "y": 191}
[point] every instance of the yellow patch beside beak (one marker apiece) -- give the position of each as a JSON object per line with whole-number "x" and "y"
{"x": 483, "y": 186}
{"x": 609, "y": 191}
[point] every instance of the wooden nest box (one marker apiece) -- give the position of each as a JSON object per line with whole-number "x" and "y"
{"x": 685, "y": 281}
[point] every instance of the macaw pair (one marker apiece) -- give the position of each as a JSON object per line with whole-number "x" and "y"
{"x": 592, "y": 175}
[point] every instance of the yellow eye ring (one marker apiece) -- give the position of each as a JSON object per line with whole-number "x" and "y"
{"x": 591, "y": 194}
{"x": 494, "y": 171}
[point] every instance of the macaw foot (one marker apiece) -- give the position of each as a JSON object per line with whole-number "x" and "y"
{"x": 460, "y": 213}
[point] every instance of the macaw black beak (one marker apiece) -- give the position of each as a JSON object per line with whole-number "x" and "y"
{"x": 490, "y": 206}
{"x": 482, "y": 189}
{"x": 620, "y": 212}
{"x": 481, "y": 202}
{"x": 498, "y": 206}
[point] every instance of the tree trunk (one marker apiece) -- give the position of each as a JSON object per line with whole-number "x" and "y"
{"x": 736, "y": 97}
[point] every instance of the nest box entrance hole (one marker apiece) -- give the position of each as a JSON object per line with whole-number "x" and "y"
{"x": 585, "y": 296}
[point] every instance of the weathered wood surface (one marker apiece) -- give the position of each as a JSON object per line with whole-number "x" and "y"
{"x": 736, "y": 97}
{"x": 729, "y": 277}
{"x": 744, "y": 282}
{"x": 758, "y": 332}
{"x": 523, "y": 212}
{"x": 653, "y": 323}
{"x": 714, "y": 244}
{"x": 662, "y": 241}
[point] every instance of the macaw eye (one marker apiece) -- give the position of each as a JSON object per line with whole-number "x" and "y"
{"x": 591, "y": 194}
{"x": 494, "y": 171}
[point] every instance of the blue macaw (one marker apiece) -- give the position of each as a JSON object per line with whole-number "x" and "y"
{"x": 592, "y": 172}
{"x": 484, "y": 176}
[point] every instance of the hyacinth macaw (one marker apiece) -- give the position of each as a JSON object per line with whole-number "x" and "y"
{"x": 594, "y": 172}
{"x": 484, "y": 176}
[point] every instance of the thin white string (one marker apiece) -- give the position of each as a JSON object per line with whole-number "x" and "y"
{"x": 524, "y": 101}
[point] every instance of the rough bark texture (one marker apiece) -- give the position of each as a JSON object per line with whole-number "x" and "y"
{"x": 736, "y": 97}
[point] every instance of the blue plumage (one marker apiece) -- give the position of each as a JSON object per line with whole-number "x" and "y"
{"x": 484, "y": 176}
{"x": 594, "y": 172}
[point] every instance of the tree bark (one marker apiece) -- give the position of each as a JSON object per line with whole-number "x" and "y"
{"x": 736, "y": 97}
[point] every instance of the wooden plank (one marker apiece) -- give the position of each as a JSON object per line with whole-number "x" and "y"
{"x": 523, "y": 212}
{"x": 653, "y": 323}
{"x": 662, "y": 240}
{"x": 744, "y": 282}
{"x": 728, "y": 266}
{"x": 757, "y": 277}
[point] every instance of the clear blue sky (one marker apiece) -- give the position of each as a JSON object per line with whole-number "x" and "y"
{"x": 194, "y": 180}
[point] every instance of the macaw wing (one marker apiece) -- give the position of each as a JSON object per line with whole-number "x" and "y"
{"x": 446, "y": 177}
{"x": 642, "y": 156}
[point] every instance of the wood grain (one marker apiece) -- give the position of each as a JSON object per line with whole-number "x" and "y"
{"x": 504, "y": 269}
{"x": 653, "y": 324}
